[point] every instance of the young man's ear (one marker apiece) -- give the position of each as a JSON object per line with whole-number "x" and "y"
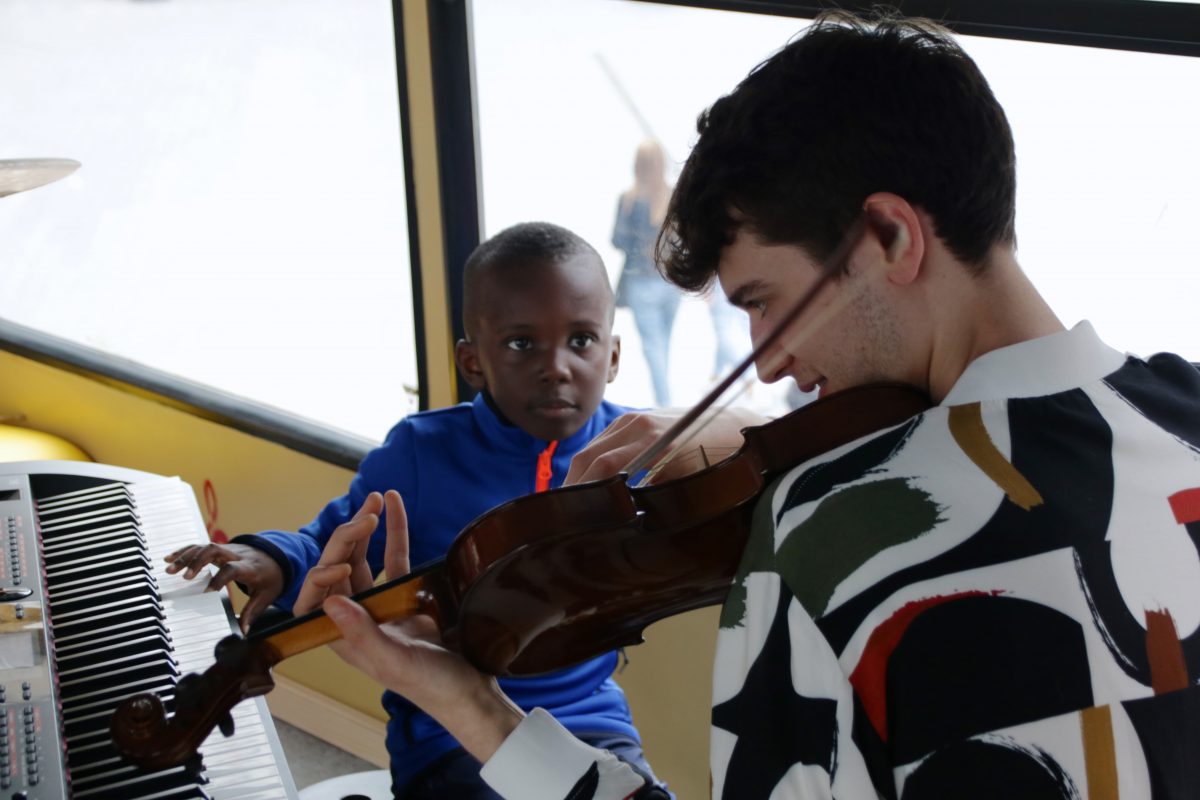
{"x": 466, "y": 357}
{"x": 614, "y": 363}
{"x": 896, "y": 226}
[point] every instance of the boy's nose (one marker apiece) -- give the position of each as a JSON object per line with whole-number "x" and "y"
{"x": 556, "y": 365}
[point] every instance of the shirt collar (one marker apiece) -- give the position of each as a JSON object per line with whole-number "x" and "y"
{"x": 1046, "y": 365}
{"x": 499, "y": 429}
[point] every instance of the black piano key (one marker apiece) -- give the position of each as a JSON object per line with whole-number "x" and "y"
{"x": 48, "y": 503}
{"x": 131, "y": 782}
{"x": 67, "y": 551}
{"x": 118, "y": 533}
{"x": 148, "y": 608}
{"x": 150, "y": 642}
{"x": 131, "y": 675}
{"x": 112, "y": 597}
{"x": 110, "y": 697}
{"x": 88, "y": 588}
{"x": 56, "y": 506}
{"x": 125, "y": 559}
{"x": 83, "y": 522}
{"x": 85, "y": 583}
{"x": 66, "y": 645}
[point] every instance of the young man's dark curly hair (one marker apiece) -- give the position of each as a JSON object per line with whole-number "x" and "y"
{"x": 848, "y": 108}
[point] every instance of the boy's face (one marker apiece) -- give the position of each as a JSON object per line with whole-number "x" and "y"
{"x": 542, "y": 343}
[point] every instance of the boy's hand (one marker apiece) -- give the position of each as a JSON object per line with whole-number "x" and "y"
{"x": 407, "y": 656}
{"x": 343, "y": 568}
{"x": 630, "y": 434}
{"x": 255, "y": 571}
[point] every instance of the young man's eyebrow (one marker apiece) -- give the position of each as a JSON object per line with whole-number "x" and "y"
{"x": 739, "y": 295}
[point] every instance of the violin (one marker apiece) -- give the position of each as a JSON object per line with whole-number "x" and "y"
{"x": 550, "y": 579}
{"x": 543, "y": 581}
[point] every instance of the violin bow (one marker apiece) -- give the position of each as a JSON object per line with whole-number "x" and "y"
{"x": 833, "y": 265}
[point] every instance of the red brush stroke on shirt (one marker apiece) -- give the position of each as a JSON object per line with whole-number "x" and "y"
{"x": 1186, "y": 505}
{"x": 869, "y": 678}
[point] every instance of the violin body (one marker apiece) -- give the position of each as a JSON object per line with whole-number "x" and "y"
{"x": 532, "y": 596}
{"x": 547, "y": 580}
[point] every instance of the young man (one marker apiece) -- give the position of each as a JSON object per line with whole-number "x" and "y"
{"x": 538, "y": 312}
{"x": 997, "y": 598}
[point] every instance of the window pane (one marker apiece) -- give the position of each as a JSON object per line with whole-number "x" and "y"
{"x": 1105, "y": 146}
{"x": 239, "y": 218}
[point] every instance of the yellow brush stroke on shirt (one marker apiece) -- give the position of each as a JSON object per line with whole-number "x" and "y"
{"x": 1099, "y": 753}
{"x": 966, "y": 426}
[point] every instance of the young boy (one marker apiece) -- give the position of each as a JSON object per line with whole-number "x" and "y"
{"x": 539, "y": 348}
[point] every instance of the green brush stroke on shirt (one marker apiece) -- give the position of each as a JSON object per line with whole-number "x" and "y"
{"x": 847, "y": 529}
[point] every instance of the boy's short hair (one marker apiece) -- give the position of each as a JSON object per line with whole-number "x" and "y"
{"x": 849, "y": 108}
{"x": 523, "y": 244}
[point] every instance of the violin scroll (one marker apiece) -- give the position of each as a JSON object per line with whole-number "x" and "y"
{"x": 144, "y": 735}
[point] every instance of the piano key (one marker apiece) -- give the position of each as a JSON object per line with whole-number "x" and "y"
{"x": 125, "y": 626}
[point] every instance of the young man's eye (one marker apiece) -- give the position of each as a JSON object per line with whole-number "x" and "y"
{"x": 519, "y": 343}
{"x": 581, "y": 340}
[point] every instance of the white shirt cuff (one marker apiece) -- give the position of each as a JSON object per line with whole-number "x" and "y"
{"x": 542, "y": 760}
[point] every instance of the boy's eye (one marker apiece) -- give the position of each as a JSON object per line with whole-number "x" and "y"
{"x": 581, "y": 340}
{"x": 519, "y": 343}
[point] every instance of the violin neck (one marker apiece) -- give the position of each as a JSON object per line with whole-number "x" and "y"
{"x": 387, "y": 602}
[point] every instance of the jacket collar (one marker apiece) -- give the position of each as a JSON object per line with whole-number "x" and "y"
{"x": 507, "y": 435}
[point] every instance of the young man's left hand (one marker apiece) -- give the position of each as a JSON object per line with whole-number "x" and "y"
{"x": 630, "y": 434}
{"x": 407, "y": 656}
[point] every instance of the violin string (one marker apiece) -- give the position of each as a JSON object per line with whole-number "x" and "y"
{"x": 709, "y": 415}
{"x": 834, "y": 266}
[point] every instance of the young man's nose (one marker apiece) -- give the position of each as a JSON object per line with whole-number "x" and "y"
{"x": 771, "y": 364}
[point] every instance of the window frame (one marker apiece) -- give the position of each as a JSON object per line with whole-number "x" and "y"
{"x": 321, "y": 441}
{"x": 1150, "y": 26}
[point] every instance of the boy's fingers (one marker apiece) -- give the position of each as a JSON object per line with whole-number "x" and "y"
{"x": 341, "y": 545}
{"x": 320, "y": 581}
{"x": 254, "y": 606}
{"x": 328, "y": 576}
{"x": 360, "y": 536}
{"x": 360, "y": 571}
{"x": 395, "y": 554}
{"x": 195, "y": 557}
{"x": 372, "y": 504}
{"x": 225, "y": 574}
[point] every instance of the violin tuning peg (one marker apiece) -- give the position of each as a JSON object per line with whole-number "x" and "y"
{"x": 225, "y": 723}
{"x": 193, "y": 767}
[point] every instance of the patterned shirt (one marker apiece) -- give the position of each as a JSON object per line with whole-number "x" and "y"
{"x": 998, "y": 598}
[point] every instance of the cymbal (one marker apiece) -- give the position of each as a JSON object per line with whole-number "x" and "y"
{"x": 19, "y": 174}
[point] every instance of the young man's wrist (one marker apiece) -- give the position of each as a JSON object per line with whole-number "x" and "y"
{"x": 482, "y": 723}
